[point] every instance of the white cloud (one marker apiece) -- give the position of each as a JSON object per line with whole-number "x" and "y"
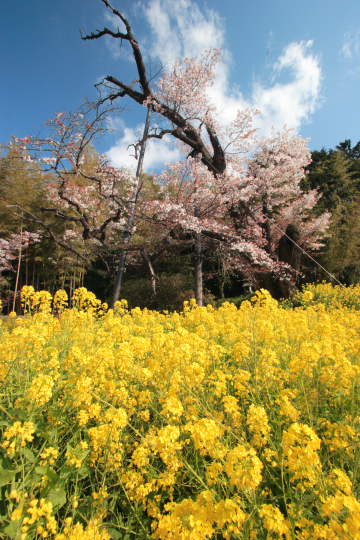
{"x": 290, "y": 103}
{"x": 158, "y": 152}
{"x": 346, "y": 49}
{"x": 181, "y": 29}
{"x": 351, "y": 45}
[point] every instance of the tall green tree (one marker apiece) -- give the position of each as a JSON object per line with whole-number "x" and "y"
{"x": 336, "y": 174}
{"x": 342, "y": 256}
{"x": 330, "y": 172}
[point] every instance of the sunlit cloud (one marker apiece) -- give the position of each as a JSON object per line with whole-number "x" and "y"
{"x": 181, "y": 29}
{"x": 351, "y": 46}
{"x": 158, "y": 152}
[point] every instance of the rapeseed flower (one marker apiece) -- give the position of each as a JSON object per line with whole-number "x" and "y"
{"x": 205, "y": 423}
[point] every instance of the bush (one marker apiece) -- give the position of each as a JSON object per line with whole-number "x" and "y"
{"x": 171, "y": 292}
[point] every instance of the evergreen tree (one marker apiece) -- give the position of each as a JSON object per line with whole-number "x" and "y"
{"x": 336, "y": 174}
{"x": 330, "y": 173}
{"x": 342, "y": 256}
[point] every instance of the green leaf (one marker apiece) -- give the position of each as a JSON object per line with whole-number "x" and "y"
{"x": 6, "y": 476}
{"x": 29, "y": 455}
{"x": 83, "y": 472}
{"x": 41, "y": 470}
{"x": 115, "y": 535}
{"x": 57, "y": 496}
{"x": 12, "y": 530}
{"x": 53, "y": 478}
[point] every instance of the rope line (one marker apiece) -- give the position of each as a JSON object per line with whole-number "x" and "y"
{"x": 310, "y": 257}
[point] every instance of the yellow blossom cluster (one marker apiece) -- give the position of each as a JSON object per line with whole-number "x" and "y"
{"x": 258, "y": 425}
{"x": 76, "y": 531}
{"x": 60, "y": 301}
{"x": 329, "y": 296}
{"x": 39, "y": 513}
{"x": 40, "y": 390}
{"x": 85, "y": 300}
{"x": 301, "y": 446}
{"x": 49, "y": 456}
{"x": 235, "y": 423}
{"x": 35, "y": 300}
{"x": 17, "y": 435}
{"x": 42, "y": 301}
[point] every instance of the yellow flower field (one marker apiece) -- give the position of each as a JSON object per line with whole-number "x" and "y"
{"x": 209, "y": 423}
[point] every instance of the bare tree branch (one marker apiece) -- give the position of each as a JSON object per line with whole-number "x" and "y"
{"x": 104, "y": 32}
{"x": 184, "y": 131}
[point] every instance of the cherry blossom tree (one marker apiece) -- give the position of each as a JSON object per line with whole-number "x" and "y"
{"x": 219, "y": 193}
{"x": 11, "y": 247}
{"x": 11, "y": 250}
{"x": 95, "y": 201}
{"x": 246, "y": 213}
{"x": 244, "y": 210}
{"x": 278, "y": 169}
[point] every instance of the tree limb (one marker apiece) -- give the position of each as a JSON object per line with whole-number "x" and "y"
{"x": 105, "y": 31}
{"x": 215, "y": 161}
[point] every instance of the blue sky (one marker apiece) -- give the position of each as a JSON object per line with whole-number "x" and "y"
{"x": 298, "y": 62}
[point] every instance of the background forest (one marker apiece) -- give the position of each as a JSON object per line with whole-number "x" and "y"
{"x": 47, "y": 265}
